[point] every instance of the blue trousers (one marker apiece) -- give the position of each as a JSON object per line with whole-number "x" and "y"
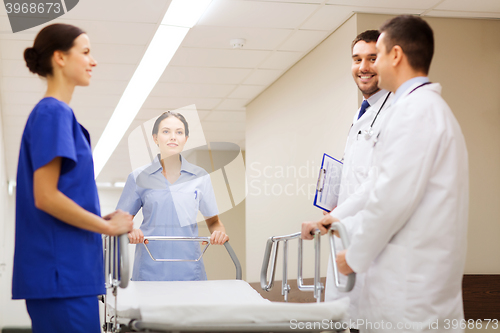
{"x": 54, "y": 315}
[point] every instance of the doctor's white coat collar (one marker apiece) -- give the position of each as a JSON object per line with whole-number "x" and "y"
{"x": 405, "y": 87}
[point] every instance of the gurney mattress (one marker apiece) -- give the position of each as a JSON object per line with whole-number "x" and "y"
{"x": 214, "y": 302}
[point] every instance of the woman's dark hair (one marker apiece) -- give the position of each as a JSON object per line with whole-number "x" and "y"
{"x": 54, "y": 37}
{"x": 167, "y": 114}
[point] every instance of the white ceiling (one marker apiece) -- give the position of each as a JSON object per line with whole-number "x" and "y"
{"x": 205, "y": 71}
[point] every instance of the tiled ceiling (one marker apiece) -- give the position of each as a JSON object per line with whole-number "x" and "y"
{"x": 206, "y": 70}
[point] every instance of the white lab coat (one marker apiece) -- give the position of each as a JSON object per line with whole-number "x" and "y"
{"x": 412, "y": 237}
{"x": 355, "y": 185}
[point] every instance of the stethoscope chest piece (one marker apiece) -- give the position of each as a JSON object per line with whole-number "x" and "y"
{"x": 368, "y": 133}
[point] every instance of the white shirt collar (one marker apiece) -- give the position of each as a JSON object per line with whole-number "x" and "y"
{"x": 375, "y": 97}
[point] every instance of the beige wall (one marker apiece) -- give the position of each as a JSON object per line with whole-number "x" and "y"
{"x": 467, "y": 64}
{"x": 308, "y": 111}
{"x": 12, "y": 313}
{"x": 305, "y": 113}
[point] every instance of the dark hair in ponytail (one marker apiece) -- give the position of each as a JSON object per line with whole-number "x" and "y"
{"x": 54, "y": 37}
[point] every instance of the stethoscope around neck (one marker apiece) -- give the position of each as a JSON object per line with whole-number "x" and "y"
{"x": 369, "y": 131}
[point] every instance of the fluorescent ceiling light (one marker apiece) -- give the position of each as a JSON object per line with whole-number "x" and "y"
{"x": 180, "y": 17}
{"x": 185, "y": 13}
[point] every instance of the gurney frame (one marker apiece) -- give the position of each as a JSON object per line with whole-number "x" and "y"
{"x": 116, "y": 266}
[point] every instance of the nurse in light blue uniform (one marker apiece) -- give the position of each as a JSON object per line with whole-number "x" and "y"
{"x": 170, "y": 192}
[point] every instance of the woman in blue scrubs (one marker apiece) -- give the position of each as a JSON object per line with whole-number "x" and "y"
{"x": 170, "y": 192}
{"x": 58, "y": 260}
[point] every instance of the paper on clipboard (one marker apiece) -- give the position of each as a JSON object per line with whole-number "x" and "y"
{"x": 328, "y": 186}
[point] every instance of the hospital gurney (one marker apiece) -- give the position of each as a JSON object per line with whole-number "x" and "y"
{"x": 215, "y": 306}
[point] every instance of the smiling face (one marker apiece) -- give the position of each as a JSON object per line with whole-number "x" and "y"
{"x": 363, "y": 71}
{"x": 78, "y": 62}
{"x": 171, "y": 136}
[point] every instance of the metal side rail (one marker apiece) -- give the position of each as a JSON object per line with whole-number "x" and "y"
{"x": 116, "y": 265}
{"x": 271, "y": 256}
{"x": 351, "y": 278}
{"x": 228, "y": 247}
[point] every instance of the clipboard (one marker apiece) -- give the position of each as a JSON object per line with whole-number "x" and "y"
{"x": 328, "y": 186}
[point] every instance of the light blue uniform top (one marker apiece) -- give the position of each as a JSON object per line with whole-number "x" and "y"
{"x": 169, "y": 210}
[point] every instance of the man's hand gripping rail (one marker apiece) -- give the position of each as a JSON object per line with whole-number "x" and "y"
{"x": 271, "y": 254}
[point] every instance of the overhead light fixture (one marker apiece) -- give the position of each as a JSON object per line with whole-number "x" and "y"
{"x": 179, "y": 18}
{"x": 185, "y": 13}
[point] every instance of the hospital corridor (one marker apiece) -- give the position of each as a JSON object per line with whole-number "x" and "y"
{"x": 249, "y": 166}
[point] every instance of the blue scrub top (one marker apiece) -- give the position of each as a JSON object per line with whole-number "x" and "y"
{"x": 169, "y": 210}
{"x": 53, "y": 259}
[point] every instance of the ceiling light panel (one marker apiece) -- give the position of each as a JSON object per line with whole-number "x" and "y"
{"x": 113, "y": 72}
{"x": 473, "y": 6}
{"x": 204, "y": 75}
{"x": 401, "y": 4}
{"x": 303, "y": 40}
{"x": 218, "y": 136}
{"x": 172, "y": 103}
{"x": 119, "y": 10}
{"x": 327, "y": 18}
{"x": 192, "y": 90}
{"x": 14, "y": 49}
{"x": 456, "y": 14}
{"x": 218, "y": 37}
{"x": 224, "y": 13}
{"x": 246, "y": 91}
{"x": 224, "y": 126}
{"x": 15, "y": 68}
{"x": 104, "y": 100}
{"x": 297, "y": 1}
{"x": 115, "y": 32}
{"x": 28, "y": 84}
{"x": 102, "y": 87}
{"x": 233, "y": 104}
{"x": 195, "y": 57}
{"x": 236, "y": 116}
{"x": 281, "y": 60}
{"x": 20, "y": 97}
{"x": 263, "y": 76}
{"x": 185, "y": 13}
{"x": 106, "y": 53}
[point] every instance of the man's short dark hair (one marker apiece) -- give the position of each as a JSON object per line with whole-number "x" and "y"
{"x": 414, "y": 36}
{"x": 368, "y": 36}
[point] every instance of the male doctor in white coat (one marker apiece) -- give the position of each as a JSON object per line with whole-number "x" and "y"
{"x": 412, "y": 236}
{"x": 358, "y": 153}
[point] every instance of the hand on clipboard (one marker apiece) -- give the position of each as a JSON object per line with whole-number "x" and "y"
{"x": 326, "y": 198}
